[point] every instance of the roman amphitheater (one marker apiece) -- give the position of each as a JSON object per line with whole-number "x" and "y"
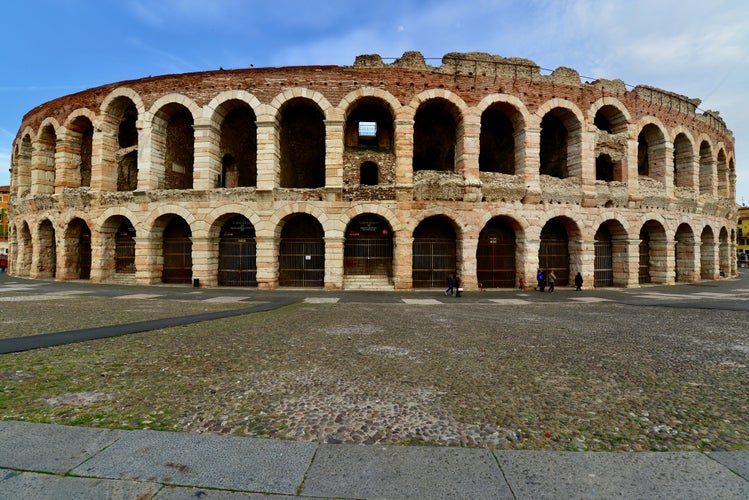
{"x": 376, "y": 175}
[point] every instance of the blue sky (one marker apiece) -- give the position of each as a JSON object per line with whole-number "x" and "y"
{"x": 50, "y": 48}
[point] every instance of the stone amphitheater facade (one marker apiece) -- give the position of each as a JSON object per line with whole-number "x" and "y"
{"x": 376, "y": 175}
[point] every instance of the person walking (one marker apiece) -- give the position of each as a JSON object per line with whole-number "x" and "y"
{"x": 458, "y": 285}
{"x": 552, "y": 278}
{"x": 450, "y": 284}
{"x": 578, "y": 282}
{"x": 541, "y": 280}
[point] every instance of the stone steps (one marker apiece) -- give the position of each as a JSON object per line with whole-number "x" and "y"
{"x": 367, "y": 282}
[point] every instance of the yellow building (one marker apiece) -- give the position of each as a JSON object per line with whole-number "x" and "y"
{"x": 742, "y": 237}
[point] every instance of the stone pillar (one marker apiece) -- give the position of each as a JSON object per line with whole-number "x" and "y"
{"x": 334, "y": 262}
{"x": 205, "y": 260}
{"x": 42, "y": 167}
{"x": 628, "y": 261}
{"x": 404, "y": 153}
{"x": 632, "y": 177}
{"x": 466, "y": 250}
{"x": 103, "y": 163}
{"x": 588, "y": 171}
{"x": 527, "y": 260}
{"x": 67, "y": 163}
{"x": 333, "y": 160}
{"x": 403, "y": 260}
{"x": 468, "y": 138}
{"x": 687, "y": 261}
{"x": 267, "y": 261}
{"x": 149, "y": 259}
{"x": 268, "y": 154}
{"x": 582, "y": 260}
{"x": 151, "y": 173}
{"x": 207, "y": 166}
{"x": 530, "y": 165}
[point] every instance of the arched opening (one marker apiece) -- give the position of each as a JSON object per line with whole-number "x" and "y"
{"x": 651, "y": 157}
{"x": 174, "y": 123}
{"x": 553, "y": 253}
{"x": 368, "y": 249}
{"x": 610, "y": 119}
{"x": 82, "y": 134}
{"x": 302, "y": 252}
{"x": 495, "y": 255}
{"x": 302, "y": 145}
{"x": 126, "y": 156}
{"x": 725, "y": 252}
{"x": 683, "y": 162}
{"x": 22, "y": 265}
{"x": 369, "y": 174}
{"x": 707, "y": 169}
{"x": 497, "y": 140}
{"x": 708, "y": 254}
{"x": 553, "y": 147}
{"x": 78, "y": 250}
{"x": 435, "y": 137}
{"x": 604, "y": 258}
{"x": 369, "y": 125}
{"x": 653, "y": 253}
{"x": 177, "y": 252}
{"x": 124, "y": 248}
{"x": 684, "y": 250}
{"x": 239, "y": 144}
{"x": 47, "y": 259}
{"x": 43, "y": 175}
{"x": 237, "y": 256}
{"x": 434, "y": 252}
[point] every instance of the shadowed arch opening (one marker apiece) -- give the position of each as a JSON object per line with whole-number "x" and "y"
{"x": 434, "y": 252}
{"x": 237, "y": 253}
{"x": 302, "y": 252}
{"x": 495, "y": 255}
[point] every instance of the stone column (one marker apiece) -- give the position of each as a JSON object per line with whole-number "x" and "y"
{"x": 205, "y": 260}
{"x": 334, "y": 262}
{"x": 530, "y": 164}
{"x": 468, "y": 138}
{"x": 629, "y": 261}
{"x": 527, "y": 259}
{"x": 266, "y": 261}
{"x": 404, "y": 153}
{"x": 207, "y": 166}
{"x": 333, "y": 160}
{"x": 268, "y": 155}
{"x": 149, "y": 259}
{"x": 403, "y": 260}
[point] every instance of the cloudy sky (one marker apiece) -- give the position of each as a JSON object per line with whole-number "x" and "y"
{"x": 50, "y": 48}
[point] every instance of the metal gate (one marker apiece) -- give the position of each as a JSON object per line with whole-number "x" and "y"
{"x": 433, "y": 260}
{"x": 553, "y": 255}
{"x": 177, "y": 260}
{"x": 495, "y": 264}
{"x": 237, "y": 262}
{"x": 368, "y": 256}
{"x": 604, "y": 264}
{"x": 302, "y": 262}
{"x": 124, "y": 254}
{"x": 644, "y": 274}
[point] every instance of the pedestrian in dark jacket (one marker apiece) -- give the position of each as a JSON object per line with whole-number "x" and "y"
{"x": 552, "y": 279}
{"x": 458, "y": 285}
{"x": 450, "y": 284}
{"x": 578, "y": 282}
{"x": 541, "y": 279}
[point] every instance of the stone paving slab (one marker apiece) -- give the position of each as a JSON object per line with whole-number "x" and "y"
{"x": 668, "y": 475}
{"x": 20, "y": 485}
{"x": 355, "y": 471}
{"x": 210, "y": 461}
{"x": 178, "y": 493}
{"x": 737, "y": 461}
{"x": 50, "y": 448}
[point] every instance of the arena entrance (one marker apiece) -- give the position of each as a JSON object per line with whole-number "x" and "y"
{"x": 177, "y": 252}
{"x": 495, "y": 256}
{"x": 434, "y": 253}
{"x": 368, "y": 249}
{"x": 553, "y": 253}
{"x": 237, "y": 253}
{"x": 124, "y": 248}
{"x": 302, "y": 253}
{"x": 604, "y": 258}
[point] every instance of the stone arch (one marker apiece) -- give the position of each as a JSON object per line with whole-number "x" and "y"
{"x": 559, "y": 248}
{"x": 77, "y": 139}
{"x": 23, "y": 261}
{"x": 685, "y": 167}
{"x": 437, "y": 134}
{"x": 117, "y": 239}
{"x": 301, "y": 251}
{"x": 610, "y": 251}
{"x": 220, "y": 215}
{"x": 281, "y": 100}
{"x": 76, "y": 249}
{"x": 654, "y": 252}
{"x": 724, "y": 252}
{"x": 302, "y": 146}
{"x": 497, "y": 253}
{"x": 560, "y": 152}
{"x": 612, "y": 111}
{"x": 173, "y": 141}
{"x": 368, "y": 247}
{"x": 236, "y": 250}
{"x": 44, "y": 158}
{"x": 379, "y": 210}
{"x": 122, "y": 113}
{"x": 708, "y": 254}
{"x": 153, "y": 224}
{"x": 652, "y": 146}
{"x": 45, "y": 251}
{"x": 708, "y": 166}
{"x": 501, "y": 138}
{"x": 684, "y": 251}
{"x": 435, "y": 251}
